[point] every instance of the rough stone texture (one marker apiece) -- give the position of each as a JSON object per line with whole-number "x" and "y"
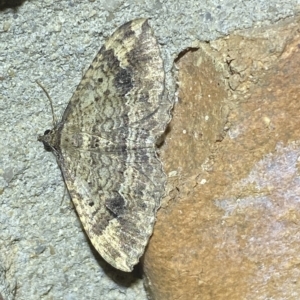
{"x": 229, "y": 227}
{"x": 44, "y": 253}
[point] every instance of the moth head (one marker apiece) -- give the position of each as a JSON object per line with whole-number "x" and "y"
{"x": 49, "y": 139}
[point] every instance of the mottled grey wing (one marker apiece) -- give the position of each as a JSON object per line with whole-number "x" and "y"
{"x": 108, "y": 144}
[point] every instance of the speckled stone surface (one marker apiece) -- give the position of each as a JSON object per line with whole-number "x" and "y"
{"x": 44, "y": 253}
{"x": 233, "y": 201}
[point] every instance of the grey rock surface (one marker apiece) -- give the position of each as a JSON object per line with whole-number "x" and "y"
{"x": 44, "y": 253}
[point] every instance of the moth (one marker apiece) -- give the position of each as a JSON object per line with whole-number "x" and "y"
{"x": 105, "y": 144}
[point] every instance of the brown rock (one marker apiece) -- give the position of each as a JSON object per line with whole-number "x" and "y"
{"x": 229, "y": 226}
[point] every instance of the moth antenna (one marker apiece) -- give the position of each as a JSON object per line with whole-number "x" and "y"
{"x": 63, "y": 197}
{"x": 51, "y": 105}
